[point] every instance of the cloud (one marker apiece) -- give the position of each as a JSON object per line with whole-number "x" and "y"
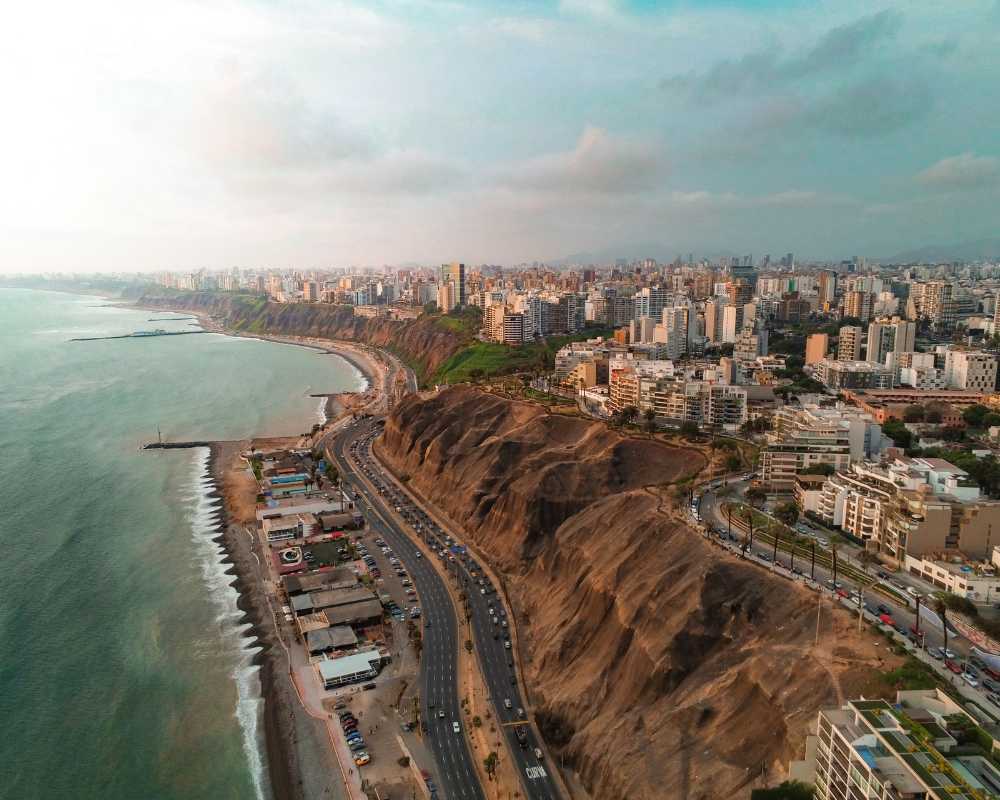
{"x": 255, "y": 122}
{"x": 765, "y": 71}
{"x": 600, "y": 9}
{"x": 400, "y": 172}
{"x": 870, "y": 106}
{"x": 600, "y": 164}
{"x": 702, "y": 201}
{"x": 961, "y": 172}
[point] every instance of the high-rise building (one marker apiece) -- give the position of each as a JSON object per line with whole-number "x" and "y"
{"x": 809, "y": 435}
{"x": 826, "y": 289}
{"x": 849, "y": 343}
{"x": 446, "y": 296}
{"x": 816, "y": 346}
{"x": 713, "y": 319}
{"x": 455, "y": 273}
{"x": 859, "y": 304}
{"x": 934, "y": 302}
{"x": 731, "y": 317}
{"x": 971, "y": 370}
{"x": 874, "y": 749}
{"x": 889, "y": 336}
{"x": 649, "y": 301}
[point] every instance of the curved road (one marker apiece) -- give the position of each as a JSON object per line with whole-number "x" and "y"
{"x": 438, "y": 662}
{"x": 492, "y": 640}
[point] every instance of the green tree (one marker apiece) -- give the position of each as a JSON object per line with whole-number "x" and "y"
{"x": 629, "y": 414}
{"x": 689, "y": 428}
{"x": 650, "y": 417}
{"x": 974, "y": 415}
{"x": 787, "y": 790}
{"x": 733, "y": 462}
{"x": 787, "y": 513}
{"x": 897, "y": 431}
{"x": 490, "y": 762}
{"x": 933, "y": 416}
{"x": 756, "y": 496}
{"x": 914, "y": 413}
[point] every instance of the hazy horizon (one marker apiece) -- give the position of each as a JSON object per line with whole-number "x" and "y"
{"x": 322, "y": 134}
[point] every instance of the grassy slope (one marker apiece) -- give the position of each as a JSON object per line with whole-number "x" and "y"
{"x": 491, "y": 358}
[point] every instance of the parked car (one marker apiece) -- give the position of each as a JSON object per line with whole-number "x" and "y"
{"x": 953, "y": 666}
{"x": 970, "y": 680}
{"x": 935, "y": 652}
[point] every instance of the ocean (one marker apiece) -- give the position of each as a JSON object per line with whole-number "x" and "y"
{"x": 124, "y": 674}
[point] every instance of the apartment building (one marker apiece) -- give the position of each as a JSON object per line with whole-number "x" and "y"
{"x": 654, "y": 385}
{"x": 859, "y": 304}
{"x": 839, "y": 375}
{"x": 870, "y": 750}
{"x": 911, "y": 507}
{"x": 817, "y": 346}
{"x": 810, "y": 435}
{"x": 894, "y": 335}
{"x": 849, "y": 343}
{"x": 971, "y": 370}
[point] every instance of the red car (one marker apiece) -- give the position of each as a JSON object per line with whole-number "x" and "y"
{"x": 953, "y": 667}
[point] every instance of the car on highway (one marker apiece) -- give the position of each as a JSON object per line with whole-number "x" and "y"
{"x": 538, "y": 753}
{"x": 507, "y": 644}
{"x": 506, "y": 703}
{"x": 456, "y": 727}
{"x": 441, "y": 714}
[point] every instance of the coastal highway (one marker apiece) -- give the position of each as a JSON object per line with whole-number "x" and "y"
{"x": 490, "y": 626}
{"x": 456, "y": 772}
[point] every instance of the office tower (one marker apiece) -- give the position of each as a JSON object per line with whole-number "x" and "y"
{"x": 889, "y": 336}
{"x": 713, "y": 319}
{"x": 446, "y": 296}
{"x": 649, "y": 301}
{"x": 816, "y": 346}
{"x": 849, "y": 343}
{"x": 455, "y": 273}
{"x": 826, "y": 288}
{"x": 731, "y": 317}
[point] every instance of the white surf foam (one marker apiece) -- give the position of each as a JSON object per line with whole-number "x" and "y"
{"x": 204, "y": 518}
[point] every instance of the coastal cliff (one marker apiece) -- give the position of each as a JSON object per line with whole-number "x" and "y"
{"x": 658, "y": 665}
{"x": 424, "y": 343}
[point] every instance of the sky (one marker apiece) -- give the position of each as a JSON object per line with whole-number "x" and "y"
{"x": 330, "y": 133}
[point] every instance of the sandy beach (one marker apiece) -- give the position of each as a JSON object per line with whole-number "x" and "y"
{"x": 301, "y": 762}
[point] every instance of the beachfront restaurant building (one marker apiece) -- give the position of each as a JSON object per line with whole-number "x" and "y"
{"x": 349, "y": 669}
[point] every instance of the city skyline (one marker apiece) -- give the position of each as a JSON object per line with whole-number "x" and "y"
{"x": 186, "y": 136}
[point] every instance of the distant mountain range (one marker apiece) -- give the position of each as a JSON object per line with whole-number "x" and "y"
{"x": 981, "y": 250}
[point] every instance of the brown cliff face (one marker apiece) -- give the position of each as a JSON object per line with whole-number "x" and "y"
{"x": 659, "y": 666}
{"x": 421, "y": 342}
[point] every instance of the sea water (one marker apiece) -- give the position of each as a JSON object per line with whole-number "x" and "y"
{"x": 124, "y": 669}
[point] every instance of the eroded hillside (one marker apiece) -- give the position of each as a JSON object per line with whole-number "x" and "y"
{"x": 659, "y": 667}
{"x": 422, "y": 343}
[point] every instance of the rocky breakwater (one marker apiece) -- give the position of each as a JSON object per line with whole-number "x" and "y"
{"x": 658, "y": 665}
